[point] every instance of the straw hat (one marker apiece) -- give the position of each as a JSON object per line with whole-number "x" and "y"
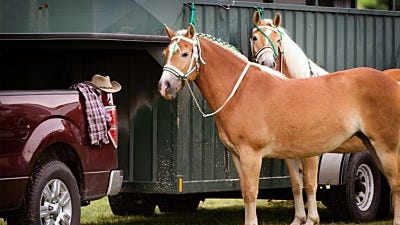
{"x": 104, "y": 83}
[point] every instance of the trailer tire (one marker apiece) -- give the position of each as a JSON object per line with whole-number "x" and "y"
{"x": 128, "y": 204}
{"x": 362, "y": 188}
{"x": 52, "y": 191}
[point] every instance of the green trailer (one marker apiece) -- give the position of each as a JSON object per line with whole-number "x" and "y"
{"x": 170, "y": 155}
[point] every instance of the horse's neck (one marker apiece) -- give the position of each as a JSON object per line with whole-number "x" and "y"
{"x": 218, "y": 76}
{"x": 296, "y": 62}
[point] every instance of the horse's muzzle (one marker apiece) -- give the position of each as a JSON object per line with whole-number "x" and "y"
{"x": 270, "y": 64}
{"x": 168, "y": 85}
{"x": 164, "y": 87}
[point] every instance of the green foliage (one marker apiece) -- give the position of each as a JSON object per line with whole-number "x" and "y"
{"x": 373, "y": 4}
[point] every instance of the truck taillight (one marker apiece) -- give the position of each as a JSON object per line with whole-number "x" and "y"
{"x": 113, "y": 131}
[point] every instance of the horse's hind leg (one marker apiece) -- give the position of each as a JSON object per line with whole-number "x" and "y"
{"x": 390, "y": 164}
{"x": 389, "y": 161}
{"x": 310, "y": 170}
{"x": 296, "y": 180}
{"x": 393, "y": 176}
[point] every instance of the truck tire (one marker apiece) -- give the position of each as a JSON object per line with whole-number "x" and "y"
{"x": 128, "y": 204}
{"x": 52, "y": 197}
{"x": 363, "y": 188}
{"x": 187, "y": 205}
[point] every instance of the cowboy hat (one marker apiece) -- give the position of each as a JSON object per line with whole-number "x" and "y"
{"x": 104, "y": 83}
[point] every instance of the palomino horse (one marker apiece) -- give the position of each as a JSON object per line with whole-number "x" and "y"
{"x": 263, "y": 48}
{"x": 271, "y": 46}
{"x": 284, "y": 121}
{"x": 291, "y": 61}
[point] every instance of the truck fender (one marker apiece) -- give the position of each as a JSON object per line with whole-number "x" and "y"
{"x": 51, "y": 131}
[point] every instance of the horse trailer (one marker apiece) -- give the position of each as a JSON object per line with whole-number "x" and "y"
{"x": 170, "y": 155}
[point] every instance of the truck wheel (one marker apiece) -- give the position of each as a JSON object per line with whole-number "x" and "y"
{"x": 363, "y": 188}
{"x": 188, "y": 205}
{"x": 127, "y": 204}
{"x": 52, "y": 197}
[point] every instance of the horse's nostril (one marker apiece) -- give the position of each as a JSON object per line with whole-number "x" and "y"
{"x": 262, "y": 63}
{"x": 167, "y": 86}
{"x": 159, "y": 86}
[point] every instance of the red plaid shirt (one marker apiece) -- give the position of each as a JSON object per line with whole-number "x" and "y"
{"x": 96, "y": 115}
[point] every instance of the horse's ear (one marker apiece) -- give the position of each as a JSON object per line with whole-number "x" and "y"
{"x": 171, "y": 33}
{"x": 256, "y": 18}
{"x": 190, "y": 31}
{"x": 277, "y": 20}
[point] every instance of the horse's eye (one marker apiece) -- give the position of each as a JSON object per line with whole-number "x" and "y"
{"x": 185, "y": 54}
{"x": 254, "y": 38}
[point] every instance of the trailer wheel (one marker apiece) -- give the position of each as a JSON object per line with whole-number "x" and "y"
{"x": 363, "y": 188}
{"x": 188, "y": 205}
{"x": 52, "y": 197}
{"x": 127, "y": 204}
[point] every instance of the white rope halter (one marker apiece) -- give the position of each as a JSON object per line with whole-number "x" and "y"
{"x": 196, "y": 57}
{"x": 194, "y": 62}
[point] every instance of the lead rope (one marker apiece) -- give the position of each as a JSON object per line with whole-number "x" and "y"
{"x": 261, "y": 11}
{"x": 281, "y": 61}
{"x": 226, "y": 162}
{"x": 312, "y": 74}
{"x": 227, "y": 100}
{"x": 226, "y": 152}
{"x": 192, "y": 9}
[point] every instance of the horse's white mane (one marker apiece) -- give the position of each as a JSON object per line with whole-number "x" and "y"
{"x": 223, "y": 44}
{"x": 273, "y": 72}
{"x": 217, "y": 41}
{"x": 297, "y": 61}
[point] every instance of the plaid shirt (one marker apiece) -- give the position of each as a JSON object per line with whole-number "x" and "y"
{"x": 96, "y": 114}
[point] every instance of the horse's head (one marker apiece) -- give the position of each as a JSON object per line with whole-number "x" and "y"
{"x": 265, "y": 40}
{"x": 181, "y": 61}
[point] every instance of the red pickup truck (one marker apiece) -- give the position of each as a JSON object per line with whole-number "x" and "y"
{"x": 48, "y": 169}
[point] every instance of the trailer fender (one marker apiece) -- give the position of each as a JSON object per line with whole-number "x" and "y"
{"x": 332, "y": 168}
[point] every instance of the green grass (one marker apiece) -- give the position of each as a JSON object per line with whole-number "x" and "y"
{"x": 212, "y": 211}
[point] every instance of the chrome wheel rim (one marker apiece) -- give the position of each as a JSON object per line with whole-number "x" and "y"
{"x": 364, "y": 187}
{"x": 55, "y": 204}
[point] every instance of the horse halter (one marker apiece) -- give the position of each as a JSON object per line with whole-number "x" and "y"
{"x": 194, "y": 62}
{"x": 260, "y": 51}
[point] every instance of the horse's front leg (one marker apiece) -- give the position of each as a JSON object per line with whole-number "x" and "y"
{"x": 296, "y": 180}
{"x": 248, "y": 167}
{"x": 310, "y": 170}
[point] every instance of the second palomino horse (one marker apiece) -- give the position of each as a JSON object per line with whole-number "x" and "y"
{"x": 271, "y": 46}
{"x": 284, "y": 121}
{"x": 263, "y": 48}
